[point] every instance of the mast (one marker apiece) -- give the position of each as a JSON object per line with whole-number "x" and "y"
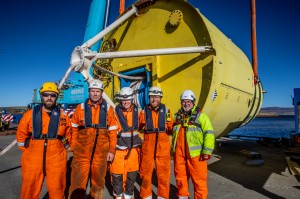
{"x": 253, "y": 41}
{"x": 122, "y": 6}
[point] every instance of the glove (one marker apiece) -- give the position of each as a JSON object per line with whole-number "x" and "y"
{"x": 204, "y": 157}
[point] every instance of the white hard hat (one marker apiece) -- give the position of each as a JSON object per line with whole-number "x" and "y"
{"x": 154, "y": 90}
{"x": 96, "y": 83}
{"x": 188, "y": 95}
{"x": 126, "y": 93}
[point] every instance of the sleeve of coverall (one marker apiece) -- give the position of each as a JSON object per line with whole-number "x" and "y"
{"x": 75, "y": 122}
{"x": 209, "y": 135}
{"x": 68, "y": 129}
{"x": 23, "y": 128}
{"x": 112, "y": 129}
{"x": 140, "y": 131}
{"x": 142, "y": 121}
{"x": 169, "y": 124}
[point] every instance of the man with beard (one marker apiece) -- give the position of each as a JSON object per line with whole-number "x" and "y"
{"x": 41, "y": 135}
{"x": 125, "y": 165}
{"x": 193, "y": 144}
{"x": 157, "y": 123}
{"x": 94, "y": 138}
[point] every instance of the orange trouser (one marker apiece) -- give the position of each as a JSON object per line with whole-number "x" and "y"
{"x": 184, "y": 168}
{"x": 32, "y": 169}
{"x": 124, "y": 171}
{"x": 81, "y": 167}
{"x": 161, "y": 163}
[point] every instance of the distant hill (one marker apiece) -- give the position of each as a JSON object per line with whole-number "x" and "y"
{"x": 275, "y": 112}
{"x": 14, "y": 109}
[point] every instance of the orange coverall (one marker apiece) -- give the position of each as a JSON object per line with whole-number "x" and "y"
{"x": 122, "y": 169}
{"x": 187, "y": 167}
{"x": 82, "y": 144}
{"x": 32, "y": 157}
{"x": 162, "y": 160}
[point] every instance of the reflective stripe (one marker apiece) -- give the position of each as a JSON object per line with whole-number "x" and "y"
{"x": 20, "y": 143}
{"x": 160, "y": 197}
{"x": 112, "y": 128}
{"x": 183, "y": 197}
{"x": 128, "y": 134}
{"x": 121, "y": 147}
{"x": 194, "y": 129}
{"x": 208, "y": 149}
{"x": 195, "y": 147}
{"x": 149, "y": 197}
{"x": 74, "y": 125}
{"x": 125, "y": 147}
{"x": 209, "y": 132}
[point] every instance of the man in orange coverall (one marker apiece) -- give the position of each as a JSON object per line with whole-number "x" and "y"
{"x": 157, "y": 123}
{"x": 94, "y": 137}
{"x": 193, "y": 144}
{"x": 125, "y": 165}
{"x": 42, "y": 133}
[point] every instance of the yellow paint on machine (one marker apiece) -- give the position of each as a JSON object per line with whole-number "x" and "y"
{"x": 223, "y": 80}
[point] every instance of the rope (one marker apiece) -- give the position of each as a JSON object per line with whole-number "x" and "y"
{"x": 135, "y": 85}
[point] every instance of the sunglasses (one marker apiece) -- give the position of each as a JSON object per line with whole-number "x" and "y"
{"x": 49, "y": 94}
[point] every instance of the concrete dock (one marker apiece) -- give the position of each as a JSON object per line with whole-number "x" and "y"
{"x": 228, "y": 176}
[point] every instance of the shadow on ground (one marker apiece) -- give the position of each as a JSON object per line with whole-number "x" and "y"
{"x": 251, "y": 177}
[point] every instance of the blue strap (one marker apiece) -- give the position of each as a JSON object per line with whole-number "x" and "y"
{"x": 123, "y": 120}
{"x": 37, "y": 123}
{"x": 102, "y": 115}
{"x": 161, "y": 119}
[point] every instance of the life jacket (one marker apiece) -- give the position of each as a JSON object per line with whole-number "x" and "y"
{"x": 200, "y": 139}
{"x": 179, "y": 119}
{"x": 102, "y": 115}
{"x": 161, "y": 119}
{"x": 128, "y": 137}
{"x": 37, "y": 123}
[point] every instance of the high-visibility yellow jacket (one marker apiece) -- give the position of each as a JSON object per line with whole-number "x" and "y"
{"x": 198, "y": 129}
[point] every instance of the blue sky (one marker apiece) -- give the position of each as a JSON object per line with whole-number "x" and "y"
{"x": 38, "y": 36}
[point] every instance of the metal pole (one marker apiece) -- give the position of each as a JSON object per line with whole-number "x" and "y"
{"x": 150, "y": 52}
{"x": 253, "y": 40}
{"x": 107, "y": 13}
{"x": 100, "y": 35}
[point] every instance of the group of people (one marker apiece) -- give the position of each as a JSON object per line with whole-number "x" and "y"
{"x": 124, "y": 140}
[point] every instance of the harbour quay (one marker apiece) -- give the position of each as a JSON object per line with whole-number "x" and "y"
{"x": 238, "y": 169}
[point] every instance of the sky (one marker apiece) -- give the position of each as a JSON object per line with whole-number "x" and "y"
{"x": 37, "y": 38}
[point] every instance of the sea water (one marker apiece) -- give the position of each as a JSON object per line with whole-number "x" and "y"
{"x": 279, "y": 127}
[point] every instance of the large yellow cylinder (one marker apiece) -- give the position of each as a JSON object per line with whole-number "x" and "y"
{"x": 222, "y": 80}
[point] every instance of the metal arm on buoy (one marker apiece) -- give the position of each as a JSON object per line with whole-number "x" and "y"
{"x": 82, "y": 57}
{"x": 82, "y": 65}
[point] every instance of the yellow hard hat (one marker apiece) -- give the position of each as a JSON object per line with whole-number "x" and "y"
{"x": 49, "y": 86}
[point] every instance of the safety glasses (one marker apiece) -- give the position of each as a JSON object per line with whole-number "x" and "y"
{"x": 53, "y": 95}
